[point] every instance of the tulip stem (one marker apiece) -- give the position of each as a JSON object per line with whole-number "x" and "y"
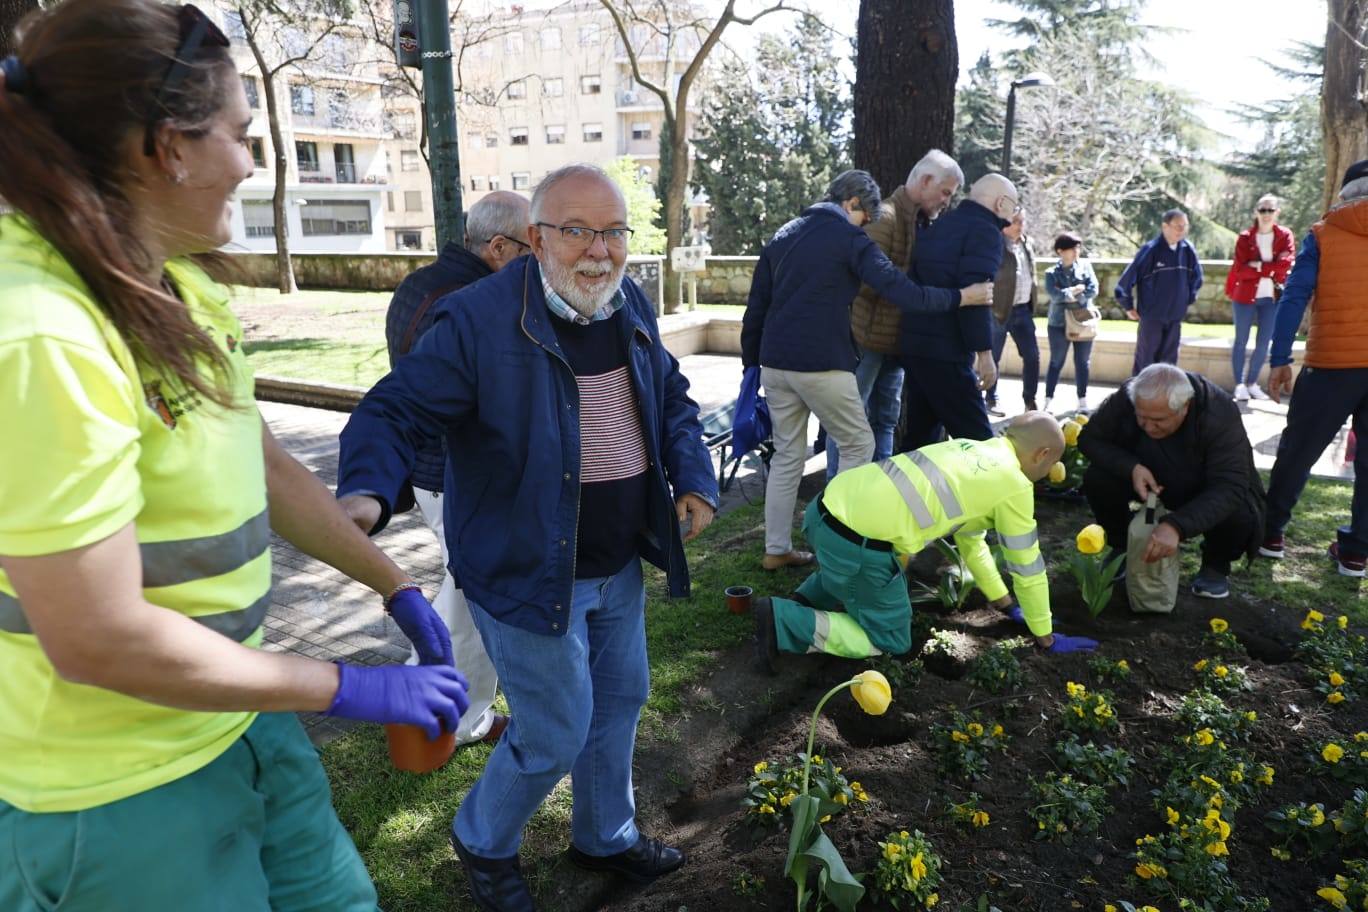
{"x": 812, "y": 729}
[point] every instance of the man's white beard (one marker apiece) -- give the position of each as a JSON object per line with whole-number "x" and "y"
{"x": 585, "y": 303}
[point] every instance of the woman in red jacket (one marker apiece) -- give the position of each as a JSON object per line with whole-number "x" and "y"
{"x": 1263, "y": 257}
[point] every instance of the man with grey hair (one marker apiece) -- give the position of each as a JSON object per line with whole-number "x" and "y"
{"x": 948, "y": 359}
{"x": 1157, "y": 289}
{"x": 496, "y": 235}
{"x": 1178, "y": 435}
{"x": 576, "y": 452}
{"x": 797, "y": 329}
{"x": 874, "y": 320}
{"x": 1332, "y": 266}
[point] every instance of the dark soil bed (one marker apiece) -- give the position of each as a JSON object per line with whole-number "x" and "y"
{"x": 892, "y": 757}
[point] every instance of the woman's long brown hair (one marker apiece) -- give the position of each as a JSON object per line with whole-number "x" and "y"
{"x": 94, "y": 68}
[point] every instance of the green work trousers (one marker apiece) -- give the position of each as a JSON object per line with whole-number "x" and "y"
{"x": 868, "y": 582}
{"x": 254, "y": 831}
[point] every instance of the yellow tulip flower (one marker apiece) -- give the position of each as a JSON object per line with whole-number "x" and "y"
{"x": 872, "y": 692}
{"x": 1071, "y": 430}
{"x": 1058, "y": 473}
{"x": 1091, "y": 539}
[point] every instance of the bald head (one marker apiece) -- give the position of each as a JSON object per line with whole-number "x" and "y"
{"x": 1038, "y": 441}
{"x": 996, "y": 194}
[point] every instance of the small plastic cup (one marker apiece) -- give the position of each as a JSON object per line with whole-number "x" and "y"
{"x": 411, "y": 751}
{"x": 739, "y": 599}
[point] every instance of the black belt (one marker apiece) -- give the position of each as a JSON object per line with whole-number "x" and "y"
{"x": 849, "y": 534}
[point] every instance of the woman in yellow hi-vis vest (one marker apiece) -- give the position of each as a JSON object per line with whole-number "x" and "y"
{"x": 150, "y": 758}
{"x": 870, "y": 514}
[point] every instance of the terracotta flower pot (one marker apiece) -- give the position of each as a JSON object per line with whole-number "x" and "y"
{"x": 739, "y": 599}
{"x": 411, "y": 751}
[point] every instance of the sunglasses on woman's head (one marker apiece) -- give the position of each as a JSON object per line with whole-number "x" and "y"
{"x": 195, "y": 29}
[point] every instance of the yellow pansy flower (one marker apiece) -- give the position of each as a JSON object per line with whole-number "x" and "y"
{"x": 1220, "y": 671}
{"x": 1123, "y": 665}
{"x": 1333, "y": 897}
{"x": 1205, "y": 738}
{"x": 1312, "y": 620}
{"x": 1171, "y": 815}
{"x": 1219, "y": 625}
{"x": 766, "y": 809}
{"x": 975, "y": 729}
{"x": 980, "y": 818}
{"x": 917, "y": 867}
{"x": 761, "y": 767}
{"x": 1266, "y": 777}
{"x": 997, "y": 731}
{"x": 932, "y": 900}
{"x": 1199, "y": 665}
{"x": 1336, "y": 679}
{"x": 959, "y": 736}
{"x": 1332, "y": 753}
{"x": 1147, "y": 869}
{"x": 1334, "y": 697}
{"x": 1217, "y": 849}
{"x": 1075, "y": 690}
{"x": 1342, "y": 622}
{"x": 788, "y": 799}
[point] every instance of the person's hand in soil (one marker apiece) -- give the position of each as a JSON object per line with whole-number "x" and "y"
{"x": 1163, "y": 542}
{"x": 1143, "y": 481}
{"x": 1061, "y": 644}
{"x": 1008, "y": 606}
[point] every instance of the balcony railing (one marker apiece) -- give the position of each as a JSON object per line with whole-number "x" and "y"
{"x": 346, "y": 173}
{"x": 340, "y": 119}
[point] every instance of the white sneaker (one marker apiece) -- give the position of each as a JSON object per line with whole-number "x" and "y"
{"x": 1242, "y": 392}
{"x": 1046, "y": 407}
{"x": 1082, "y": 403}
{"x": 1256, "y": 393}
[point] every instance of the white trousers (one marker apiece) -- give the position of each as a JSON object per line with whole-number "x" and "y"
{"x": 466, "y": 645}
{"x": 835, "y": 399}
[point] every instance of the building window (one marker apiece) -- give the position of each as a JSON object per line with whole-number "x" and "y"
{"x": 517, "y": 89}
{"x": 258, "y": 151}
{"x": 593, "y": 132}
{"x": 477, "y": 184}
{"x": 389, "y": 201}
{"x": 590, "y": 36}
{"x": 250, "y": 87}
{"x": 553, "y": 88}
{"x": 306, "y": 154}
{"x": 591, "y": 85}
{"x": 521, "y": 180}
{"x": 258, "y": 217}
{"x": 408, "y": 240}
{"x": 513, "y": 43}
{"x": 491, "y": 140}
{"x": 408, "y": 160}
{"x": 493, "y": 183}
{"x": 233, "y": 26}
{"x": 517, "y": 136}
{"x": 334, "y": 217}
{"x": 555, "y": 135}
{"x": 641, "y": 130}
{"x": 413, "y": 200}
{"x": 302, "y": 100}
{"x": 550, "y": 39}
{"x": 404, "y": 124}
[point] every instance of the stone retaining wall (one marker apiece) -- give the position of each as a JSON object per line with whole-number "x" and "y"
{"x": 727, "y": 281}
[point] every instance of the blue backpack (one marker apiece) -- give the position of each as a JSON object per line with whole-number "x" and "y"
{"x": 751, "y": 425}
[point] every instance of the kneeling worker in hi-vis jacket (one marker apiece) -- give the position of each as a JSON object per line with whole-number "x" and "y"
{"x": 869, "y": 515}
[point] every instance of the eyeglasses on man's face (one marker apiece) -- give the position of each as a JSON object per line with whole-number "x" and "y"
{"x": 521, "y": 244}
{"x": 579, "y": 236}
{"x": 195, "y": 30}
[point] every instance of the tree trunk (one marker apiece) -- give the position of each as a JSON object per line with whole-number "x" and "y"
{"x": 676, "y": 192}
{"x": 285, "y": 279}
{"x": 906, "y": 65}
{"x": 11, "y": 11}
{"x": 1344, "y": 107}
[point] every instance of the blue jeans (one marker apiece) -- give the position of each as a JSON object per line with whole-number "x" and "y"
{"x": 1321, "y": 401}
{"x": 1059, "y": 349}
{"x": 1021, "y": 325}
{"x": 574, "y": 701}
{"x": 1246, "y": 315}
{"x": 879, "y": 379}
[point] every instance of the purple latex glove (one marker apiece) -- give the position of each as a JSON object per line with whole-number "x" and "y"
{"x": 1013, "y": 611}
{"x": 1063, "y": 644}
{"x": 426, "y": 631}
{"x": 433, "y": 697}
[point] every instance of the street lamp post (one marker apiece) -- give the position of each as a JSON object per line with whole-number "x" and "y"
{"x": 1030, "y": 80}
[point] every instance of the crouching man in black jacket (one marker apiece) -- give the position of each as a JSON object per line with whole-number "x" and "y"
{"x": 1179, "y": 435}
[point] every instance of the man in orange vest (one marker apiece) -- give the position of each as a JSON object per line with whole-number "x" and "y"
{"x": 1333, "y": 385}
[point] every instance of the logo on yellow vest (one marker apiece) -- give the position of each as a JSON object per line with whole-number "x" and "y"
{"x": 158, "y": 404}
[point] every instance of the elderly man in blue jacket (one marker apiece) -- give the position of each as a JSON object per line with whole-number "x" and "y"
{"x": 948, "y": 358}
{"x": 578, "y": 452}
{"x": 1157, "y": 289}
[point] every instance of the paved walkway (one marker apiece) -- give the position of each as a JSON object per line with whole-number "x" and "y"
{"x": 318, "y": 612}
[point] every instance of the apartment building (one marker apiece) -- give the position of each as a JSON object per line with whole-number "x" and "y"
{"x": 545, "y": 88}
{"x": 334, "y": 130}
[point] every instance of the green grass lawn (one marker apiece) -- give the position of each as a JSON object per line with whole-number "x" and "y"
{"x": 400, "y": 822}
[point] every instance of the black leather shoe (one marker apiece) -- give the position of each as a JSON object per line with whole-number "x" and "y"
{"x": 496, "y": 884}
{"x": 766, "y": 640}
{"x": 641, "y": 864}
